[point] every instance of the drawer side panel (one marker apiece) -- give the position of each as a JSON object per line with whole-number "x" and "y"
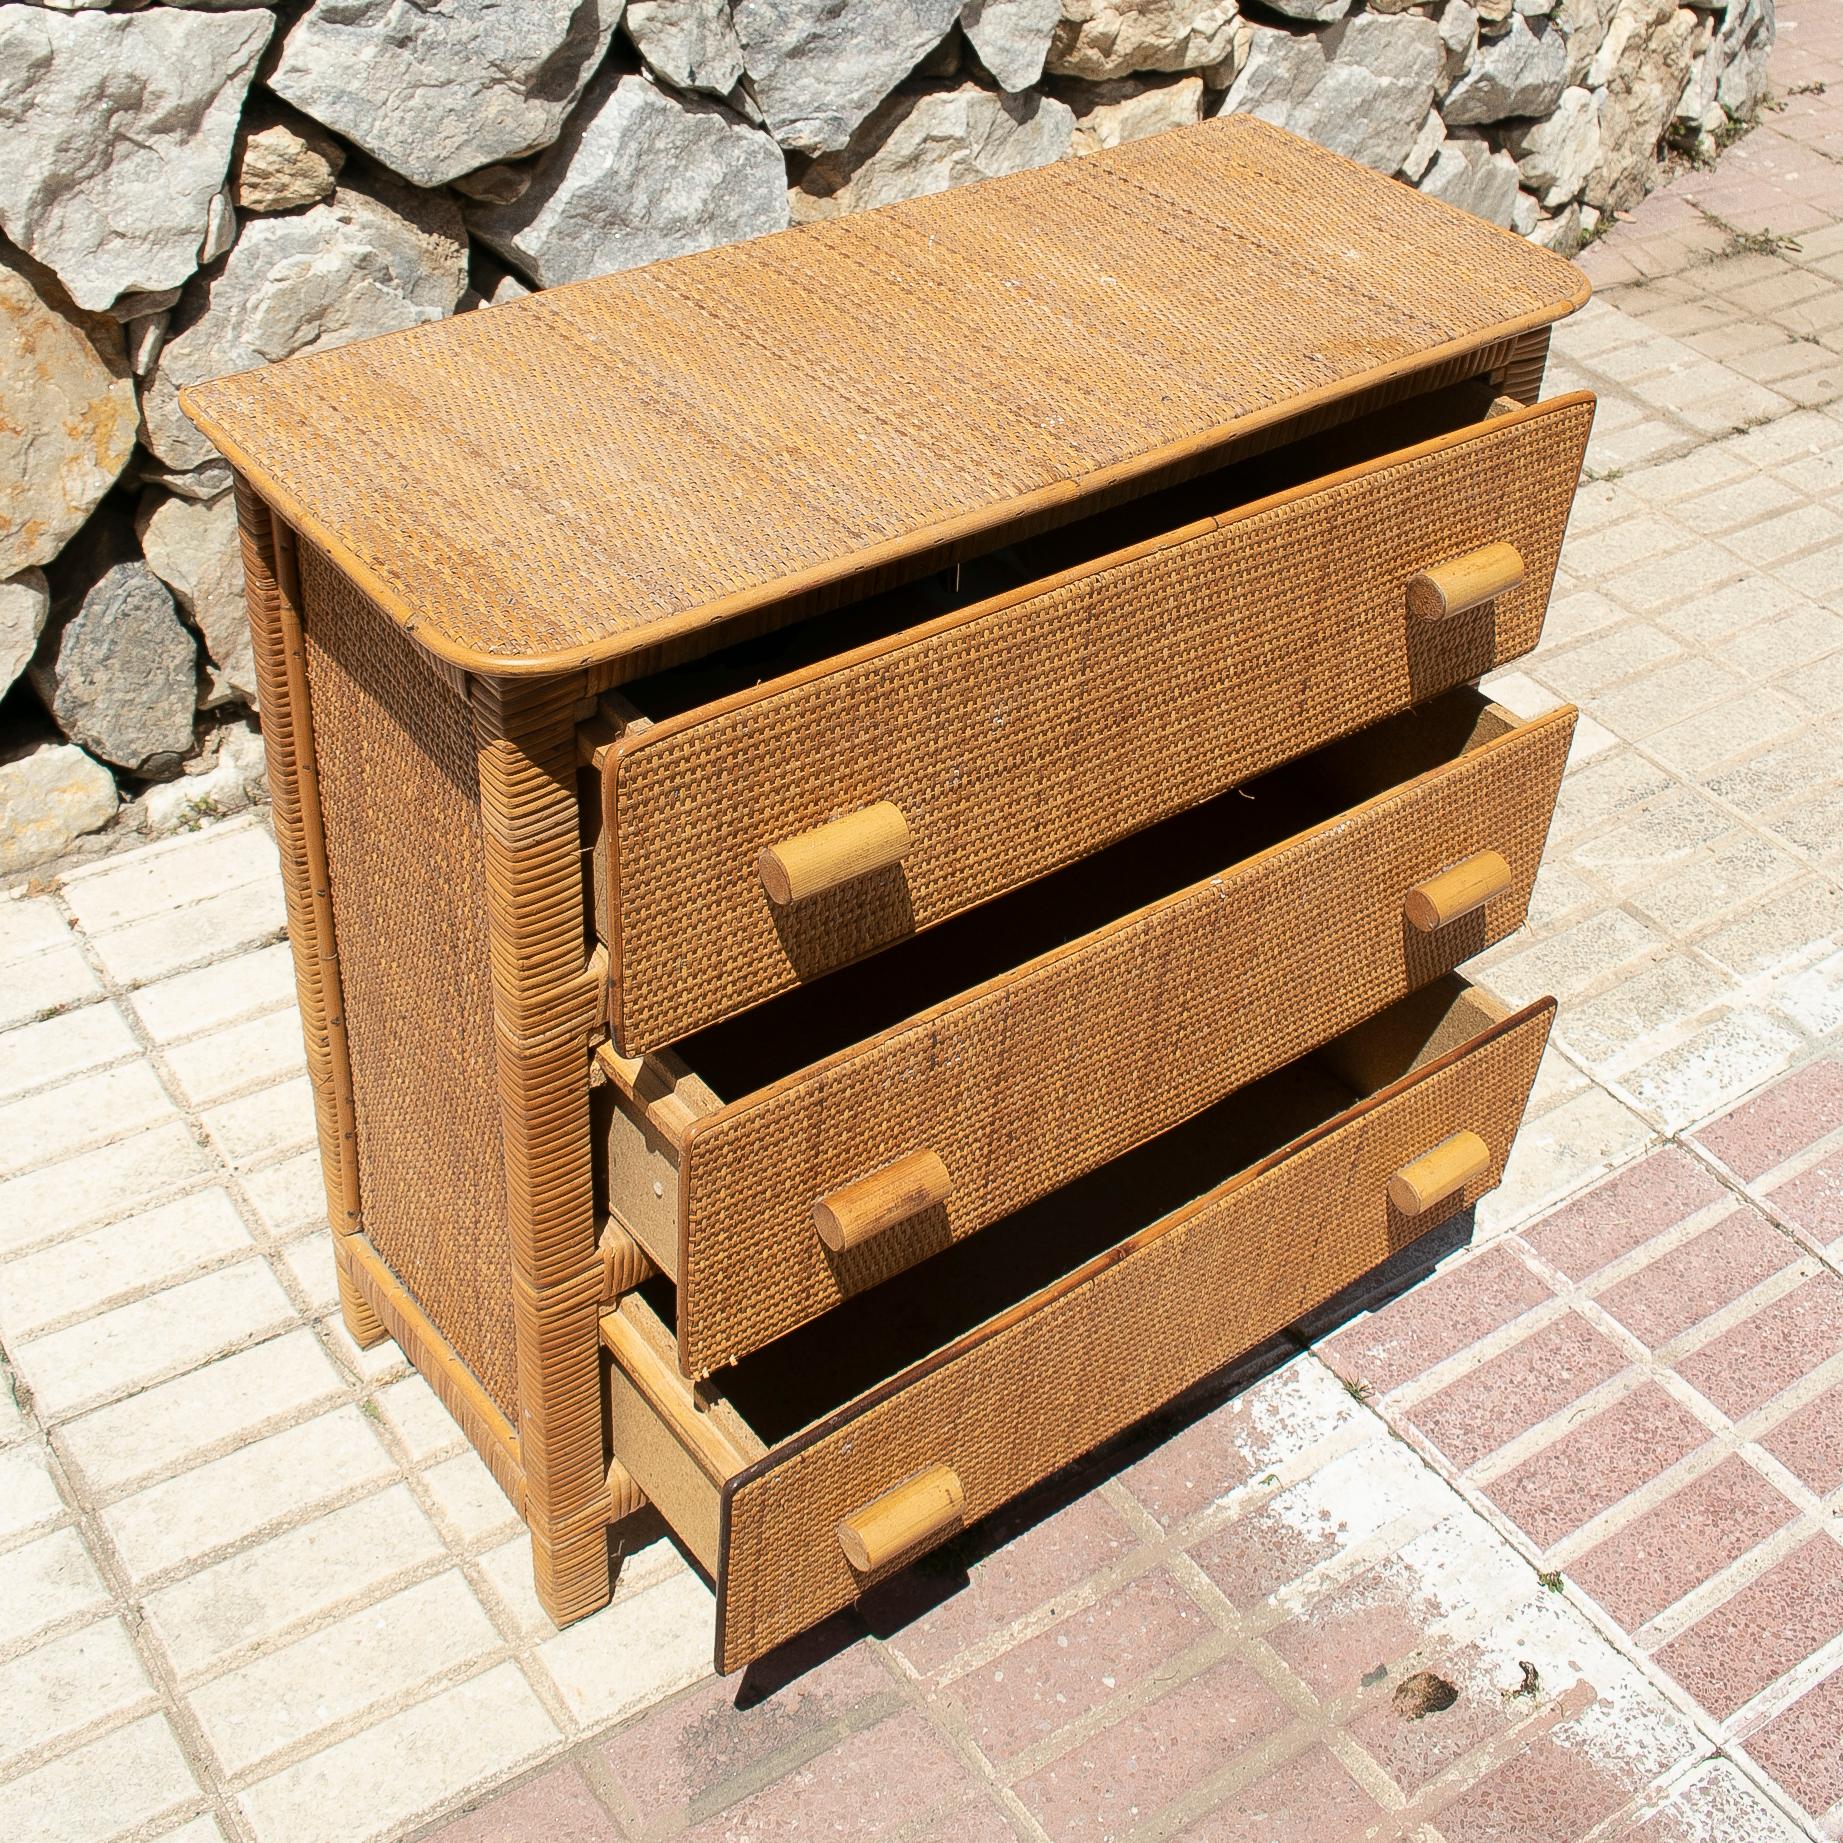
{"x": 1115, "y": 1341}
{"x": 1051, "y": 1071}
{"x": 1028, "y": 734}
{"x": 404, "y": 854}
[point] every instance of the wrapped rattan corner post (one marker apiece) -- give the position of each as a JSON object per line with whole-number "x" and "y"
{"x": 796, "y": 888}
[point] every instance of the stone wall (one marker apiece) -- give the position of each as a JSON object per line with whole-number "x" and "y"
{"x": 195, "y": 187}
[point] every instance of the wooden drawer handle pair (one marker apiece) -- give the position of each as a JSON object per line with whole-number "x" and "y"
{"x": 1464, "y": 582}
{"x": 873, "y": 838}
{"x": 1439, "y": 1174}
{"x": 868, "y": 1206}
{"x": 914, "y": 1515}
{"x": 1468, "y": 885}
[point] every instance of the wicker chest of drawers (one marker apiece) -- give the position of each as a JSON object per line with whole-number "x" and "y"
{"x": 878, "y": 825}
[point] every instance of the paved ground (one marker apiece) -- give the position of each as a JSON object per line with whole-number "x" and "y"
{"x": 1545, "y": 1548}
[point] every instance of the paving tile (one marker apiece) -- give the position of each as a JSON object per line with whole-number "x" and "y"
{"x": 308, "y": 1261}
{"x": 1774, "y": 1126}
{"x": 1123, "y": 1776}
{"x": 89, "y": 1273}
{"x": 1606, "y": 1031}
{"x": 289, "y": 1195}
{"x": 1303, "y": 1801}
{"x": 47, "y": 1582}
{"x": 1752, "y": 1362}
{"x": 1717, "y": 1063}
{"x": 634, "y": 1652}
{"x": 67, "y": 1684}
{"x": 167, "y": 1331}
{"x": 170, "y": 875}
{"x": 1490, "y": 1405}
{"x": 1737, "y": 869}
{"x": 1699, "y": 1277}
{"x": 1581, "y": 955}
{"x": 35, "y": 1055}
{"x": 258, "y": 1050}
{"x": 28, "y": 925}
{"x": 171, "y": 942}
{"x": 1713, "y": 1804}
{"x": 1551, "y": 1792}
{"x": 99, "y": 1186}
{"x": 468, "y": 1498}
{"x": 1681, "y": 1542}
{"x": 1625, "y": 1212}
{"x": 1651, "y": 839}
{"x": 1558, "y": 1151}
{"x": 1802, "y": 1747}
{"x": 1600, "y": 1460}
{"x": 180, "y": 1422}
{"x": 1092, "y": 1653}
{"x": 46, "y": 982}
{"x": 216, "y": 995}
{"x": 704, "y": 1749}
{"x": 28, "y": 1493}
{"x": 408, "y": 1767}
{"x": 359, "y": 1662}
{"x": 1809, "y": 1442}
{"x": 1734, "y": 1651}
{"x": 55, "y": 1122}
{"x": 1013, "y": 1563}
{"x": 130, "y": 1778}
{"x": 283, "y": 1477}
{"x": 1802, "y": 922}
{"x": 271, "y": 1120}
{"x": 300, "y": 1576}
{"x": 557, "y": 1807}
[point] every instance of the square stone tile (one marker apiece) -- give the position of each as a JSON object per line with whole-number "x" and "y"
{"x": 1558, "y": 1151}
{"x": 1717, "y": 1063}
{"x": 55, "y": 1122}
{"x": 557, "y": 1806}
{"x": 1714, "y": 1804}
{"x": 1766, "y": 1353}
{"x": 273, "y": 1119}
{"x": 259, "y": 1050}
{"x": 102, "y": 1185}
{"x": 28, "y": 925}
{"x": 1656, "y": 699}
{"x": 133, "y": 1777}
{"x": 37, "y": 1055}
{"x": 1620, "y": 652}
{"x": 1776, "y": 1621}
{"x": 1802, "y": 922}
{"x": 29, "y": 1497}
{"x": 173, "y": 940}
{"x": 1568, "y": 963}
{"x": 468, "y": 1498}
{"x": 1307, "y": 1797}
{"x": 1626, "y": 1211}
{"x": 1699, "y": 1277}
{"x": 45, "y": 982}
{"x": 216, "y": 995}
{"x": 291, "y": 1194}
{"x": 1612, "y": 1029}
{"x": 171, "y": 875}
{"x": 1786, "y": 1119}
{"x": 67, "y": 1684}
{"x": 1742, "y": 726}
{"x": 634, "y": 1652}
{"x": 408, "y": 1767}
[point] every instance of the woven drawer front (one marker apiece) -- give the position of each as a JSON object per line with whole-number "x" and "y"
{"x": 1086, "y": 1357}
{"x": 1028, "y": 731}
{"x": 1035, "y": 1077}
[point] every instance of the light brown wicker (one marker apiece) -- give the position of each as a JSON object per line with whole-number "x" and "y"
{"x": 459, "y": 540}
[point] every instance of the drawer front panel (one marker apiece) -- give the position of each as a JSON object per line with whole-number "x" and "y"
{"x": 1029, "y": 731}
{"x": 1026, "y": 1082}
{"x": 1120, "y": 1337}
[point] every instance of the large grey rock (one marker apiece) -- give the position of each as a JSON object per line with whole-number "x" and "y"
{"x": 1361, "y": 87}
{"x": 1556, "y": 156}
{"x": 283, "y": 164}
{"x": 67, "y": 413}
{"x": 23, "y": 605}
{"x": 1427, "y": 144}
{"x": 434, "y": 91}
{"x": 1322, "y": 12}
{"x": 49, "y": 797}
{"x": 1583, "y": 26}
{"x": 117, "y": 129}
{"x": 819, "y": 67}
{"x": 362, "y": 263}
{"x": 1128, "y": 109}
{"x": 1518, "y": 75}
{"x": 193, "y": 549}
{"x": 1728, "y": 75}
{"x": 927, "y": 142}
{"x": 1643, "y": 65}
{"x": 692, "y": 44}
{"x": 639, "y": 173}
{"x": 117, "y": 668}
{"x": 1468, "y": 174}
{"x": 1012, "y": 37}
{"x": 1561, "y": 233}
{"x": 1458, "y": 35}
{"x": 1114, "y": 38}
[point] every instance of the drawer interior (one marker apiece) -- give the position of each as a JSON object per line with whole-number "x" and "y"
{"x": 997, "y": 572}
{"x": 761, "y": 1046}
{"x": 690, "y": 1438}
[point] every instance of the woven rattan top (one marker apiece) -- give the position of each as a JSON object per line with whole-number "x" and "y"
{"x": 583, "y": 473}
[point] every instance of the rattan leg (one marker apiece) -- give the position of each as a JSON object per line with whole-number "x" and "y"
{"x": 363, "y": 1325}
{"x": 545, "y": 1008}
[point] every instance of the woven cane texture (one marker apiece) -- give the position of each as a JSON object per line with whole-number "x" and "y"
{"x": 577, "y": 474}
{"x": 1116, "y": 1340}
{"x": 1049, "y": 1071}
{"x": 401, "y": 803}
{"x": 1021, "y": 735}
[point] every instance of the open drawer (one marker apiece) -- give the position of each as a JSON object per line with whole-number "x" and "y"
{"x": 796, "y": 1155}
{"x": 822, "y": 1464}
{"x": 806, "y": 800}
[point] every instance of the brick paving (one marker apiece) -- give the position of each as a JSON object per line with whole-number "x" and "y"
{"x": 1542, "y": 1546}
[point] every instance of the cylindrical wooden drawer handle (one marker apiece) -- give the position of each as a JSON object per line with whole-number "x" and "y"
{"x": 913, "y": 1516}
{"x": 870, "y": 839}
{"x": 1451, "y": 588}
{"x": 1468, "y": 885}
{"x": 1439, "y": 1174}
{"x": 867, "y": 1206}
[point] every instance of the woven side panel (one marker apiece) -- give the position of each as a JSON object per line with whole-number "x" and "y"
{"x": 1185, "y": 1298}
{"x": 544, "y": 1005}
{"x": 396, "y": 754}
{"x": 1026, "y": 736}
{"x": 1046, "y": 1073}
